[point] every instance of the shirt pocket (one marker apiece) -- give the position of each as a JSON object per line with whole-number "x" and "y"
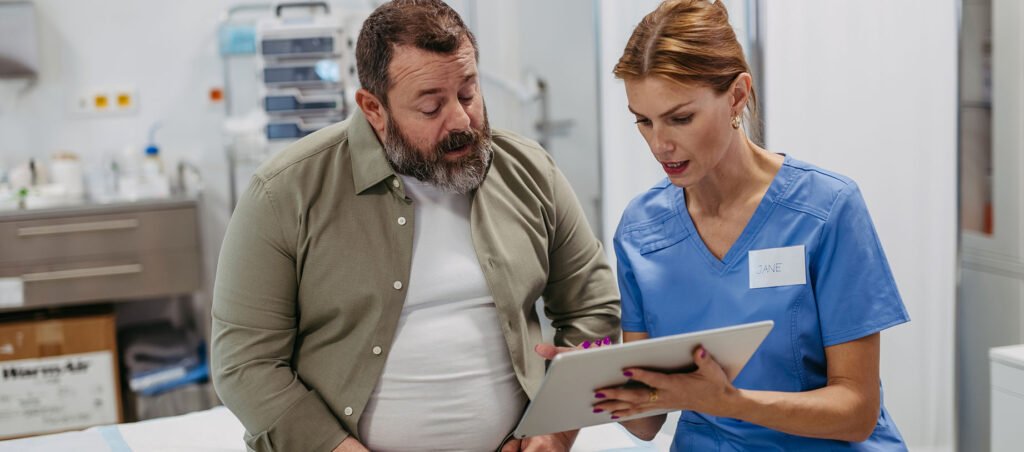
{"x": 658, "y": 235}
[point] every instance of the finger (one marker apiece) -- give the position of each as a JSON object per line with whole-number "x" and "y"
{"x": 511, "y": 445}
{"x": 630, "y": 411}
{"x": 649, "y": 378}
{"x": 534, "y": 444}
{"x": 612, "y": 406}
{"x": 549, "y": 351}
{"x": 634, "y": 396}
{"x": 705, "y": 361}
{"x": 546, "y": 351}
{"x": 700, "y": 356}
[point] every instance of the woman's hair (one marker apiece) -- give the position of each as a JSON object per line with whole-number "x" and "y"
{"x": 689, "y": 42}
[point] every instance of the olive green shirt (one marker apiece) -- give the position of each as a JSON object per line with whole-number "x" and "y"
{"x": 312, "y": 274}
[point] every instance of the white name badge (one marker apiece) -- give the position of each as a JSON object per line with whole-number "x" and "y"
{"x": 774, "y": 267}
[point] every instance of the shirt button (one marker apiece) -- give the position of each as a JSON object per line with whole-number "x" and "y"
{"x": 348, "y": 411}
{"x": 395, "y": 183}
{"x": 401, "y": 221}
{"x": 397, "y": 285}
{"x": 377, "y": 350}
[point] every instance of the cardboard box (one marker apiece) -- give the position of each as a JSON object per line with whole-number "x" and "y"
{"x": 58, "y": 374}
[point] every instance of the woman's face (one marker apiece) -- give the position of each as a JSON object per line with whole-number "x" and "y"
{"x": 688, "y": 127}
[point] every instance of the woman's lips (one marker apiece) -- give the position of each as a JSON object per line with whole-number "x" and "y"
{"x": 675, "y": 168}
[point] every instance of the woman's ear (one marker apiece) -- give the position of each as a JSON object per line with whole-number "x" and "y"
{"x": 372, "y": 108}
{"x": 740, "y": 91}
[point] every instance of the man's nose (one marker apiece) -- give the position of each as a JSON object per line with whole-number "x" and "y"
{"x": 457, "y": 116}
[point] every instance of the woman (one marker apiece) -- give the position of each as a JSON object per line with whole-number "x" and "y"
{"x": 737, "y": 234}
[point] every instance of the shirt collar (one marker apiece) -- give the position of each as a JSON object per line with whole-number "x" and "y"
{"x": 369, "y": 164}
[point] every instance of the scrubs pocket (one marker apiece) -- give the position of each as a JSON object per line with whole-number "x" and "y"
{"x": 694, "y": 437}
{"x": 658, "y": 236}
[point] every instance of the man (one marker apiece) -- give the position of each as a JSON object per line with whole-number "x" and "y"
{"x": 377, "y": 283}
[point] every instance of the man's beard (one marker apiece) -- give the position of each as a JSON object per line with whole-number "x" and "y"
{"x": 458, "y": 176}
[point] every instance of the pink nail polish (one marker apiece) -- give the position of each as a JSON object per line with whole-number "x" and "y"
{"x": 615, "y": 417}
{"x": 598, "y": 410}
{"x": 607, "y": 340}
{"x": 599, "y": 395}
{"x": 627, "y": 373}
{"x": 703, "y": 353}
{"x": 585, "y": 344}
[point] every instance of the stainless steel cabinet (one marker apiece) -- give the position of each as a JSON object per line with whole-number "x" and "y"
{"x": 101, "y": 253}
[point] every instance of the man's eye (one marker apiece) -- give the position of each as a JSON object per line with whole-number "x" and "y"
{"x": 465, "y": 98}
{"x": 431, "y": 112}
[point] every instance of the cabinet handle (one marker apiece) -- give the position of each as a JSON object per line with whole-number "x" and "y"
{"x": 82, "y": 273}
{"x": 111, "y": 225}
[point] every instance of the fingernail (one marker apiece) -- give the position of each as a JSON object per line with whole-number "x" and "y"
{"x": 703, "y": 353}
{"x": 599, "y": 395}
{"x": 585, "y": 344}
{"x": 607, "y": 340}
{"x": 598, "y": 410}
{"x": 627, "y": 373}
{"x": 615, "y": 417}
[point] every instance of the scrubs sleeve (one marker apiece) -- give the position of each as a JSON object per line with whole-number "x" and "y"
{"x": 853, "y": 284}
{"x": 632, "y": 304}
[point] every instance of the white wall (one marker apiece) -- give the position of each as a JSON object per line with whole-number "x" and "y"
{"x": 627, "y": 167}
{"x": 868, "y": 89}
{"x": 167, "y": 51}
{"x": 555, "y": 41}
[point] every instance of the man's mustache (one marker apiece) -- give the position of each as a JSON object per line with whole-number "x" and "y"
{"x": 458, "y": 139}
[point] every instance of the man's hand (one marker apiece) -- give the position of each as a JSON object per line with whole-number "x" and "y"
{"x": 557, "y": 442}
{"x": 351, "y": 444}
{"x": 549, "y": 351}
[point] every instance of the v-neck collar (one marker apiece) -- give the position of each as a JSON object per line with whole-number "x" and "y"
{"x": 779, "y": 185}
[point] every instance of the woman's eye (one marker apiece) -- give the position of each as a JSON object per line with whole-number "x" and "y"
{"x": 643, "y": 122}
{"x": 682, "y": 119}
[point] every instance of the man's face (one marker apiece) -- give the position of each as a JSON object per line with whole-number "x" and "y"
{"x": 436, "y": 123}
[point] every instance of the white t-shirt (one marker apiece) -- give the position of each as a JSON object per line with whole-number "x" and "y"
{"x": 448, "y": 383}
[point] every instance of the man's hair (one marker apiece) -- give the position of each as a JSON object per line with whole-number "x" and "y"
{"x": 430, "y": 25}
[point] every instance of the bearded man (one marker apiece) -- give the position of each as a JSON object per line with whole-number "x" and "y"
{"x": 377, "y": 285}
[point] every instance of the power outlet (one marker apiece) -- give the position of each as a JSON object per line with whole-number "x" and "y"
{"x": 107, "y": 101}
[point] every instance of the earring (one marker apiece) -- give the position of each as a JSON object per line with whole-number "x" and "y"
{"x": 736, "y": 122}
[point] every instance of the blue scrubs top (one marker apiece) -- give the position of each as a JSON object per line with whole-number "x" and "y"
{"x": 671, "y": 284}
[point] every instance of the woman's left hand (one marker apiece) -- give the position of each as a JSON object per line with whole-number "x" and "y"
{"x": 706, "y": 390}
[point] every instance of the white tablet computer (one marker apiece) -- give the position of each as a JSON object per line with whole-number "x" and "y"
{"x": 565, "y": 399}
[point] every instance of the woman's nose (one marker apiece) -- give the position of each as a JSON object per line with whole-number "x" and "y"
{"x": 661, "y": 143}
